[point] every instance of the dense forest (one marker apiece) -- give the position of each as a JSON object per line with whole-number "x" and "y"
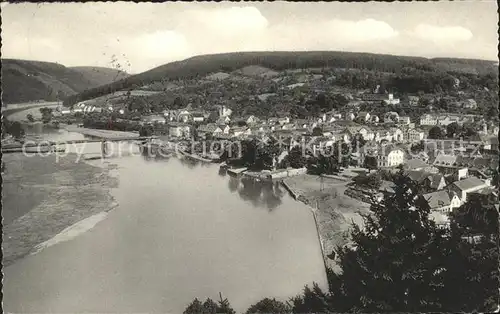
{"x": 425, "y": 72}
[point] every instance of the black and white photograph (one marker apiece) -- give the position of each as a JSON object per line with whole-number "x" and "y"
{"x": 250, "y": 157}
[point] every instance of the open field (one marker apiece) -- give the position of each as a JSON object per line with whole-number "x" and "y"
{"x": 119, "y": 97}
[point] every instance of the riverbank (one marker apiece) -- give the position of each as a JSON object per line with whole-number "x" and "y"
{"x": 18, "y": 112}
{"x": 72, "y": 231}
{"x": 42, "y": 197}
{"x": 333, "y": 211}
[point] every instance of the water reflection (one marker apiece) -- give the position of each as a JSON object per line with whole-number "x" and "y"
{"x": 272, "y": 195}
{"x": 153, "y": 153}
{"x": 233, "y": 184}
{"x": 190, "y": 162}
{"x": 266, "y": 194}
{"x": 222, "y": 171}
{"x": 259, "y": 193}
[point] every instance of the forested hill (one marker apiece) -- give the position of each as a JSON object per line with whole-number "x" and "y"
{"x": 24, "y": 80}
{"x": 203, "y": 65}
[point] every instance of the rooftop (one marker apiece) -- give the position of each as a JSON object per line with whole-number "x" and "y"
{"x": 211, "y": 127}
{"x": 469, "y": 183}
{"x": 445, "y": 160}
{"x": 414, "y": 164}
{"x": 438, "y": 199}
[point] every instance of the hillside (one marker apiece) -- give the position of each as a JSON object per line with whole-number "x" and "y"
{"x": 201, "y": 66}
{"x": 99, "y": 76}
{"x": 24, "y": 81}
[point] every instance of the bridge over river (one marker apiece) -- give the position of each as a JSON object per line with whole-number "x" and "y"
{"x": 95, "y": 136}
{"x": 16, "y": 148}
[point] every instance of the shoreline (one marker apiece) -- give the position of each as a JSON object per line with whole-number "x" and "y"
{"x": 297, "y": 197}
{"x": 71, "y": 232}
{"x": 331, "y": 209}
{"x": 76, "y": 229}
{"x": 53, "y": 210}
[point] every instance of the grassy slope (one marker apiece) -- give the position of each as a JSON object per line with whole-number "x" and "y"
{"x": 99, "y": 75}
{"x": 201, "y": 66}
{"x": 24, "y": 80}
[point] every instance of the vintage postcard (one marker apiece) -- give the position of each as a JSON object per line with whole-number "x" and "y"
{"x": 250, "y": 157}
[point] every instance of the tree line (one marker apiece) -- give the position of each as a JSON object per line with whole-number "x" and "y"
{"x": 454, "y": 130}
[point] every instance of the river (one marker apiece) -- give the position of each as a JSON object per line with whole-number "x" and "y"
{"x": 181, "y": 230}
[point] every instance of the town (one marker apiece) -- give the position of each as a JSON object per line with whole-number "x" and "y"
{"x": 311, "y": 123}
{"x": 439, "y": 139}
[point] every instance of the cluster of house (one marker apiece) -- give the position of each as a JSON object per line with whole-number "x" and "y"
{"x": 444, "y": 119}
{"x": 413, "y": 100}
{"x": 333, "y": 126}
{"x": 460, "y": 103}
{"x": 78, "y": 108}
{"x": 385, "y": 156}
{"x": 378, "y": 98}
{"x": 448, "y": 181}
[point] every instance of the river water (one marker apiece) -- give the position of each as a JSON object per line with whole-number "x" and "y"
{"x": 181, "y": 230}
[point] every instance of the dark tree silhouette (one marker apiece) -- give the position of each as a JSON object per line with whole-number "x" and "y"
{"x": 453, "y": 129}
{"x": 296, "y": 157}
{"x": 370, "y": 163}
{"x": 15, "y": 129}
{"x": 194, "y": 307}
{"x": 146, "y": 130}
{"x": 267, "y": 306}
{"x": 436, "y": 133}
{"x": 395, "y": 260}
{"x": 317, "y": 131}
{"x": 402, "y": 261}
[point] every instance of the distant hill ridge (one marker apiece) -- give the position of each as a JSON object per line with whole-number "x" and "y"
{"x": 26, "y": 80}
{"x": 203, "y": 65}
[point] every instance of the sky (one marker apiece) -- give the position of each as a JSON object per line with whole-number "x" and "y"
{"x": 137, "y": 37}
